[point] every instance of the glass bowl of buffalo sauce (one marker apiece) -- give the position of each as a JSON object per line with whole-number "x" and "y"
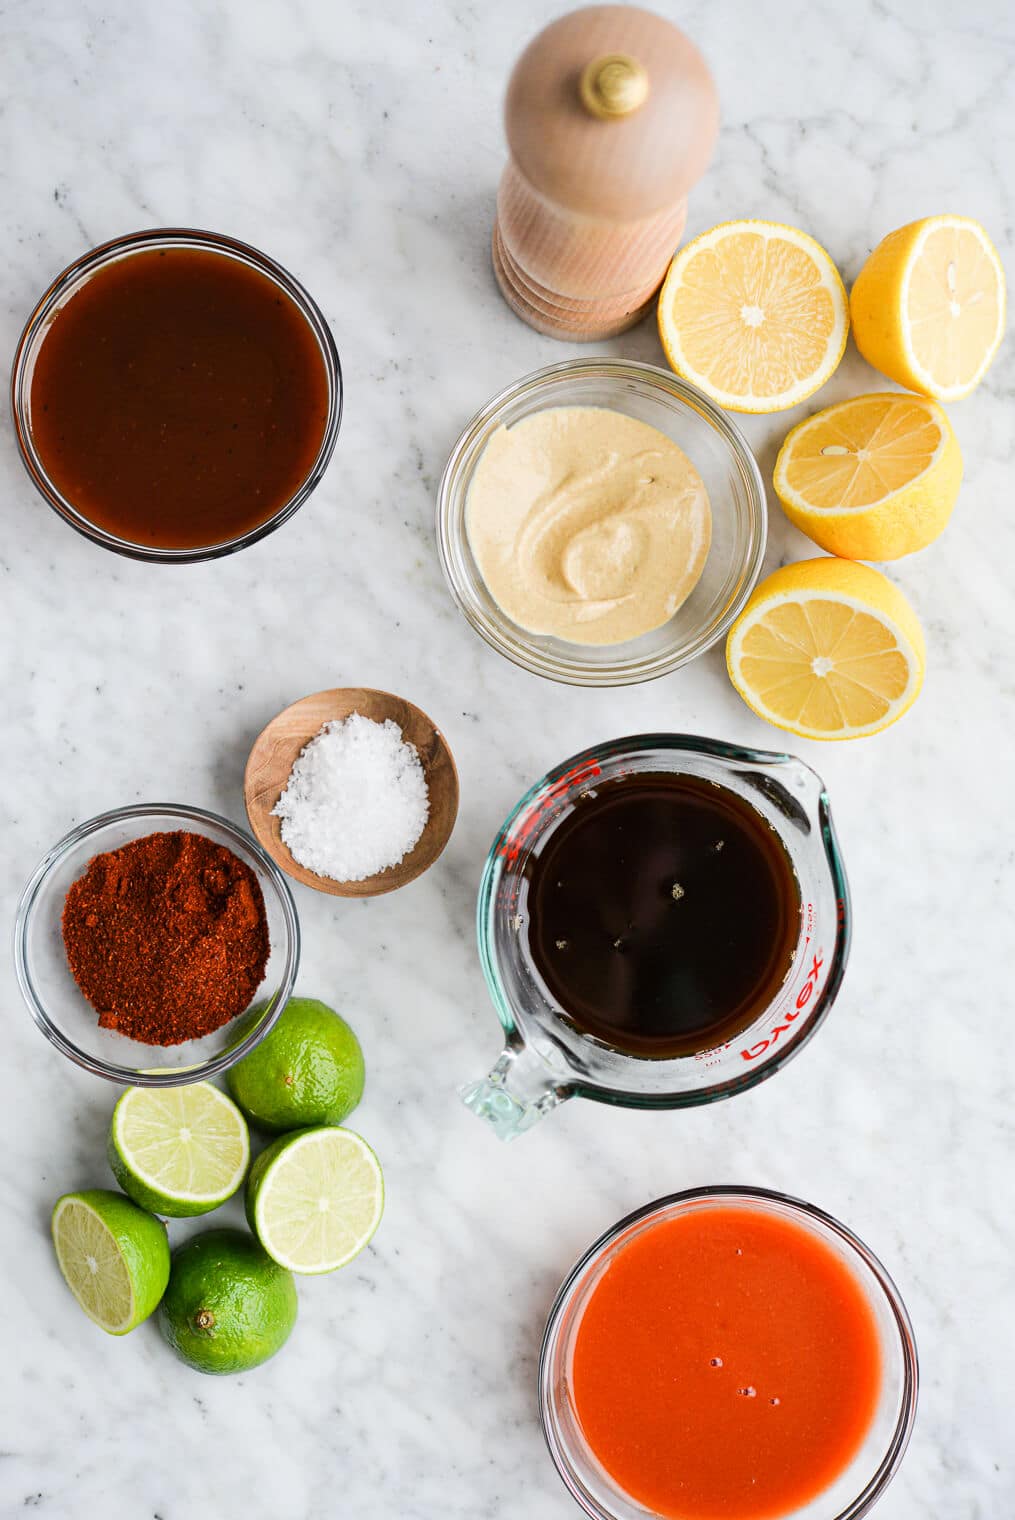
{"x": 733, "y": 1352}
{"x": 176, "y": 395}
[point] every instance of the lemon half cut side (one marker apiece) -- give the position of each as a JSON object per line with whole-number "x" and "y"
{"x": 928, "y": 307}
{"x": 827, "y": 649}
{"x": 755, "y": 314}
{"x": 874, "y": 477}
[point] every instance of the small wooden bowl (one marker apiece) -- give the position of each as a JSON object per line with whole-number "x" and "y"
{"x": 277, "y": 747}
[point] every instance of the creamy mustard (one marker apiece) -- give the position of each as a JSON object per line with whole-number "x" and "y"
{"x": 587, "y": 524}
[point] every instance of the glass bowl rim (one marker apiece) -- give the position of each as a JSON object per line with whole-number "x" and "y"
{"x": 73, "y": 276}
{"x": 716, "y": 749}
{"x": 131, "y": 1076}
{"x": 806, "y": 1213}
{"x": 520, "y": 648}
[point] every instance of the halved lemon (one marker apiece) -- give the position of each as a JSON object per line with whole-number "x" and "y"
{"x": 928, "y": 306}
{"x": 875, "y": 477}
{"x": 827, "y": 649}
{"x": 754, "y": 314}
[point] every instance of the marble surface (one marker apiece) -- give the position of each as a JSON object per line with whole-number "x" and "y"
{"x": 361, "y": 144}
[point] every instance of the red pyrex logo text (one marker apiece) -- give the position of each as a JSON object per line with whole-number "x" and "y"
{"x": 803, "y": 997}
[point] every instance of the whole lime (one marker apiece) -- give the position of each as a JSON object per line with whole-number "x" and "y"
{"x": 308, "y": 1070}
{"x": 228, "y": 1306}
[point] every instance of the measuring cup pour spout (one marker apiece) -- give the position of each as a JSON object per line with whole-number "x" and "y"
{"x": 519, "y": 1090}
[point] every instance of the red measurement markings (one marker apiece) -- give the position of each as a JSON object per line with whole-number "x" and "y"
{"x": 528, "y": 823}
{"x": 714, "y": 1055}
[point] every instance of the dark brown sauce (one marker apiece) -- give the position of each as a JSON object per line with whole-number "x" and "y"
{"x": 179, "y": 399}
{"x": 664, "y": 914}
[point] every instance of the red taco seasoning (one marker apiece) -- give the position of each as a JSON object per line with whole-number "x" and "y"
{"x": 167, "y": 937}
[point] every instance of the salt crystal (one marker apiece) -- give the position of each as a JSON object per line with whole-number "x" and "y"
{"x": 356, "y": 801}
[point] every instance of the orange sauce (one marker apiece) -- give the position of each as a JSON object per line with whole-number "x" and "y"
{"x": 726, "y": 1365}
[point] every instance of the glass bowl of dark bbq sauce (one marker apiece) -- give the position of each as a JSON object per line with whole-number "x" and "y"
{"x": 176, "y": 395}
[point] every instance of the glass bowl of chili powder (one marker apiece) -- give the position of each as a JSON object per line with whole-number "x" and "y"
{"x": 176, "y": 395}
{"x": 72, "y": 1023}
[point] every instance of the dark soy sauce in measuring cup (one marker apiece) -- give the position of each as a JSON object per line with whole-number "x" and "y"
{"x": 664, "y": 914}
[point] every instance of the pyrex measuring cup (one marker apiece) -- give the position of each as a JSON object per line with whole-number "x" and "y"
{"x": 546, "y": 1059}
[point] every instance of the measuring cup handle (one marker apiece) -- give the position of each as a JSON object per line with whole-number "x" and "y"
{"x": 518, "y": 1092}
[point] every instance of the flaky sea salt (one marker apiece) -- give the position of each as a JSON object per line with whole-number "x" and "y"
{"x": 356, "y": 801}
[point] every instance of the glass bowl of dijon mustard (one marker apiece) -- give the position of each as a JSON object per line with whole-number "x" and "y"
{"x": 601, "y": 522}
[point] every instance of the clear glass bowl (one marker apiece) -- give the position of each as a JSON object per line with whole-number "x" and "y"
{"x": 718, "y": 452}
{"x": 67, "y": 284}
{"x": 859, "y": 1487}
{"x": 71, "y": 1023}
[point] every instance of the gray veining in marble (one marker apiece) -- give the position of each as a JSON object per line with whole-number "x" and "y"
{"x": 360, "y": 144}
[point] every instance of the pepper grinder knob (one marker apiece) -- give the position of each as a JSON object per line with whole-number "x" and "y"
{"x": 614, "y": 86}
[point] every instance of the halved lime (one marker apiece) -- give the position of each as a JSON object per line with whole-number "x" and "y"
{"x": 315, "y": 1198}
{"x": 178, "y": 1150}
{"x": 114, "y": 1256}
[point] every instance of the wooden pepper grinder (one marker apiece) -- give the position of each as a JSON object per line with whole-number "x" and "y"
{"x": 611, "y": 116}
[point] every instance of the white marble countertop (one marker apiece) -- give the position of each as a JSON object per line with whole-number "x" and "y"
{"x": 360, "y": 144}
